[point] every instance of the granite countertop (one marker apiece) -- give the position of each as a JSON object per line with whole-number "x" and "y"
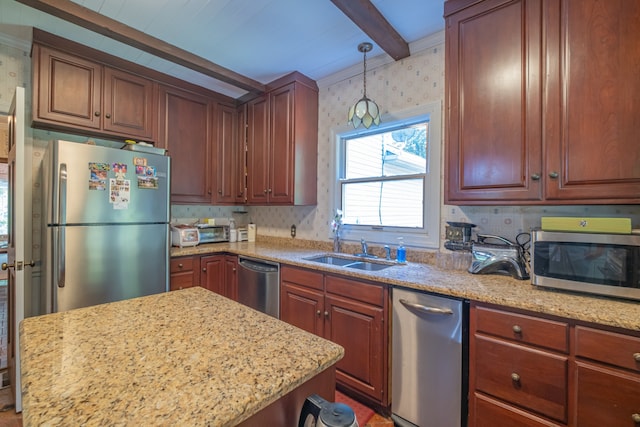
{"x": 493, "y": 289}
{"x": 188, "y": 357}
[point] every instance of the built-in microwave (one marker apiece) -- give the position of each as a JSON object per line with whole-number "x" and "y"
{"x": 604, "y": 264}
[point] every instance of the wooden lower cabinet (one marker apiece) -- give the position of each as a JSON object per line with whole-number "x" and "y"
{"x": 182, "y": 273}
{"x": 218, "y": 273}
{"x": 351, "y": 313}
{"x": 578, "y": 376}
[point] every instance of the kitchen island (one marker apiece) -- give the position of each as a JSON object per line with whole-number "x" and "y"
{"x": 188, "y": 357}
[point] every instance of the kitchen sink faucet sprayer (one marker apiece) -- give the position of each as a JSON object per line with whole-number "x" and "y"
{"x": 364, "y": 247}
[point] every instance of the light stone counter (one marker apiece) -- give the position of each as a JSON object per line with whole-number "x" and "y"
{"x": 494, "y": 289}
{"x": 187, "y": 357}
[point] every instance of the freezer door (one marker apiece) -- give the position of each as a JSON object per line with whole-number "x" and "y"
{"x": 99, "y": 264}
{"x": 89, "y": 184}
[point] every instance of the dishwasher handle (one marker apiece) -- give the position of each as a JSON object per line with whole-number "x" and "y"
{"x": 259, "y": 267}
{"x": 424, "y": 309}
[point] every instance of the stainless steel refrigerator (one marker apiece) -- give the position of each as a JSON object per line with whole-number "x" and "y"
{"x": 106, "y": 225}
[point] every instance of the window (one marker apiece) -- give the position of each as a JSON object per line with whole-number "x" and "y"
{"x": 388, "y": 182}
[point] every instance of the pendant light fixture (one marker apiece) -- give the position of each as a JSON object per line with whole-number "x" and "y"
{"x": 364, "y": 112}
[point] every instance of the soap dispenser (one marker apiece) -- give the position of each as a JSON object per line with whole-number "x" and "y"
{"x": 401, "y": 254}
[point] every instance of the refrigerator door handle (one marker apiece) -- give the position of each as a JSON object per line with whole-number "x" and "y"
{"x": 62, "y": 218}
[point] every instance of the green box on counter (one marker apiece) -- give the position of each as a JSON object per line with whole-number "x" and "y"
{"x": 587, "y": 225}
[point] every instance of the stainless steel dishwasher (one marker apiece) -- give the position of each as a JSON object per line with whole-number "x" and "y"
{"x": 259, "y": 285}
{"x": 429, "y": 360}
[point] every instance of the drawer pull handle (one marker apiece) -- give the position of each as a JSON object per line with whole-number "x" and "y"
{"x": 636, "y": 418}
{"x": 515, "y": 377}
{"x": 636, "y": 357}
{"x": 517, "y": 329}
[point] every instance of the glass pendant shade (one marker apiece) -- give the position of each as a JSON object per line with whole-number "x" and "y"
{"x": 364, "y": 112}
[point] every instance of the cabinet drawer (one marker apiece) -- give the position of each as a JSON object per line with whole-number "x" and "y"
{"x": 533, "y": 379}
{"x": 181, "y": 264}
{"x": 608, "y": 347}
{"x": 522, "y": 328}
{"x": 181, "y": 280}
{"x": 488, "y": 412}
{"x": 307, "y": 278}
{"x": 365, "y": 292}
{"x": 606, "y": 397}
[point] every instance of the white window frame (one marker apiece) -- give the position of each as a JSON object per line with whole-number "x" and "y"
{"x": 427, "y": 237}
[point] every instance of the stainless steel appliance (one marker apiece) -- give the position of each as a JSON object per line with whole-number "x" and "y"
{"x": 505, "y": 258}
{"x": 597, "y": 263}
{"x": 259, "y": 285}
{"x": 317, "y": 412}
{"x": 429, "y": 354}
{"x": 106, "y": 231}
{"x": 213, "y": 233}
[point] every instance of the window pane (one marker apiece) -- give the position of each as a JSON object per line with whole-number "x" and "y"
{"x": 392, "y": 153}
{"x": 389, "y": 203}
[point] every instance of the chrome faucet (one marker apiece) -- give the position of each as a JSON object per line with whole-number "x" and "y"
{"x": 364, "y": 247}
{"x": 387, "y": 249}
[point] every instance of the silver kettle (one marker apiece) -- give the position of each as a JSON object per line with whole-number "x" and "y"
{"x": 505, "y": 258}
{"x": 317, "y": 412}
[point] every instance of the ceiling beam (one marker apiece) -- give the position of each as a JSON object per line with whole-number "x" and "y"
{"x": 366, "y": 16}
{"x": 108, "y": 27}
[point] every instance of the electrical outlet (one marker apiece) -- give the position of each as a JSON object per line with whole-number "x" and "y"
{"x": 293, "y": 231}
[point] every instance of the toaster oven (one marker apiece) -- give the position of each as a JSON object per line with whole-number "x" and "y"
{"x": 213, "y": 233}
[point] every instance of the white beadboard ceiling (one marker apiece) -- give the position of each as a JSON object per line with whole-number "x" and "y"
{"x": 260, "y": 39}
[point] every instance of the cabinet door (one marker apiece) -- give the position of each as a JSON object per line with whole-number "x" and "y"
{"x": 185, "y": 130}
{"x": 67, "y": 89}
{"x": 281, "y": 180}
{"x": 241, "y": 161}
{"x": 302, "y": 307}
{"x": 258, "y": 151}
{"x": 593, "y": 91}
{"x": 227, "y": 150}
{"x": 212, "y": 277}
{"x": 606, "y": 397}
{"x": 231, "y": 277}
{"x": 128, "y": 104}
{"x": 494, "y": 102}
{"x": 358, "y": 327}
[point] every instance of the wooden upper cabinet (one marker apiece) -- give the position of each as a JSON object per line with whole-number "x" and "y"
{"x": 282, "y": 143}
{"x": 228, "y": 150}
{"x": 493, "y": 66}
{"x": 78, "y": 95}
{"x": 541, "y": 102}
{"x": 185, "y": 131}
{"x": 591, "y": 120}
{"x": 129, "y": 104}
{"x": 258, "y": 150}
{"x": 67, "y": 89}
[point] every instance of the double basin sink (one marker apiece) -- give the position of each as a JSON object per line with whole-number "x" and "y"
{"x": 359, "y": 264}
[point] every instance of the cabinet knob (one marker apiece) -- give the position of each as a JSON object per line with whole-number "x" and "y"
{"x": 97, "y": 114}
{"x": 318, "y": 313}
{"x": 234, "y": 269}
{"x": 535, "y": 177}
{"x": 108, "y": 116}
{"x": 553, "y": 175}
{"x": 269, "y": 190}
{"x": 179, "y": 265}
{"x": 219, "y": 191}
{"x": 204, "y": 269}
{"x": 636, "y": 357}
{"x": 635, "y": 418}
{"x": 326, "y": 314}
{"x": 264, "y": 191}
{"x": 515, "y": 377}
{"x": 517, "y": 329}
